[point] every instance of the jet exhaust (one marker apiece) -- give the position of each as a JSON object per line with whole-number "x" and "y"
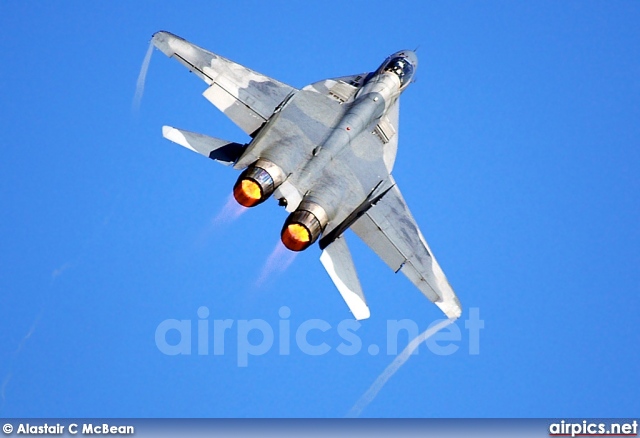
{"x": 304, "y": 226}
{"x": 278, "y": 261}
{"x": 257, "y": 182}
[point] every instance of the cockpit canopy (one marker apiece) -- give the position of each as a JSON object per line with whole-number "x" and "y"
{"x": 401, "y": 66}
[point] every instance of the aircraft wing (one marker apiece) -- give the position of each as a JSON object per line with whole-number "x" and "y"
{"x": 248, "y": 98}
{"x": 389, "y": 229}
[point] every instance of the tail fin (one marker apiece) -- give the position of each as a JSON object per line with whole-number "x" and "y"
{"x": 337, "y": 260}
{"x": 222, "y": 151}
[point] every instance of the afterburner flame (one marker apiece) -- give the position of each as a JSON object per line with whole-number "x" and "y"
{"x": 296, "y": 237}
{"x": 247, "y": 192}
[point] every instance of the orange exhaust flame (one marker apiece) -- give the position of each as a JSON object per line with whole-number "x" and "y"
{"x": 247, "y": 193}
{"x": 296, "y": 237}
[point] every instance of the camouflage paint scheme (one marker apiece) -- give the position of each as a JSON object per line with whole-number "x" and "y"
{"x": 330, "y": 148}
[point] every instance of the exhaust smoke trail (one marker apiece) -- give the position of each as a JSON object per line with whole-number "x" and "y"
{"x": 277, "y": 262}
{"x": 229, "y": 212}
{"x": 142, "y": 77}
{"x": 373, "y": 390}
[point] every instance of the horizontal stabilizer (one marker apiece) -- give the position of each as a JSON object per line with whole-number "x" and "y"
{"x": 222, "y": 151}
{"x": 337, "y": 260}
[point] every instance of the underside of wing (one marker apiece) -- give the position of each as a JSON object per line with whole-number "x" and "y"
{"x": 342, "y": 89}
{"x": 389, "y": 229}
{"x": 248, "y": 98}
{"x": 387, "y": 131}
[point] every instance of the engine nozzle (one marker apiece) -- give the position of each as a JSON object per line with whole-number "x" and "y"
{"x": 303, "y": 227}
{"x": 257, "y": 182}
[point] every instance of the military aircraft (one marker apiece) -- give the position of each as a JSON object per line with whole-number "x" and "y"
{"x": 325, "y": 152}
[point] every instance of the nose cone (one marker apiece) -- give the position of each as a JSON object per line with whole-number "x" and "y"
{"x": 412, "y": 57}
{"x": 409, "y": 55}
{"x": 403, "y": 63}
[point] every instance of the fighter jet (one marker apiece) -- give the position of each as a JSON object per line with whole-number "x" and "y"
{"x": 326, "y": 153}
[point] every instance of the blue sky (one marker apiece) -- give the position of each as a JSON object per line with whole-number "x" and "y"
{"x": 519, "y": 157}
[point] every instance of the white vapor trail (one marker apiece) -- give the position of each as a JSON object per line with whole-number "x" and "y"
{"x": 142, "y": 77}
{"x": 32, "y": 329}
{"x": 30, "y": 333}
{"x": 373, "y": 390}
{"x": 3, "y": 390}
{"x": 48, "y": 295}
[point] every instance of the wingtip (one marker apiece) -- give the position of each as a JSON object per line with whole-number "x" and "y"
{"x": 166, "y": 42}
{"x": 363, "y": 313}
{"x": 162, "y": 34}
{"x": 452, "y": 309}
{"x": 169, "y": 132}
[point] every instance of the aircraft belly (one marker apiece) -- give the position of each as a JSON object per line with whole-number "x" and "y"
{"x": 290, "y": 136}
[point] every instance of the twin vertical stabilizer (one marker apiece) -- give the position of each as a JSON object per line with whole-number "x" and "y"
{"x": 337, "y": 260}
